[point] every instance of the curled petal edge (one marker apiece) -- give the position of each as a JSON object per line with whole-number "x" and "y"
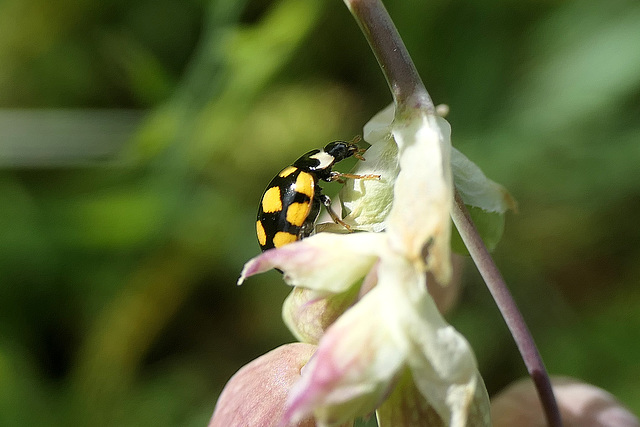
{"x": 323, "y": 262}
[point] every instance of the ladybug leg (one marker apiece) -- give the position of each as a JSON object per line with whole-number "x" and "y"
{"x": 337, "y": 176}
{"x": 309, "y": 224}
{"x": 326, "y": 201}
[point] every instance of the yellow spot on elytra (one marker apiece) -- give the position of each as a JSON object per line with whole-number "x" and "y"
{"x": 271, "y": 201}
{"x": 282, "y": 238}
{"x": 262, "y": 236}
{"x": 297, "y": 213}
{"x": 287, "y": 171}
{"x": 305, "y": 184}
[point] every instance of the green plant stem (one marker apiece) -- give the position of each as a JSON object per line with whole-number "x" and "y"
{"x": 409, "y": 93}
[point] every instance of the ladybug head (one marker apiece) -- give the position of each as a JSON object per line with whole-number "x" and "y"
{"x": 341, "y": 150}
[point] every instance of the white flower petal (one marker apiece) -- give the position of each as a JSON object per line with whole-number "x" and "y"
{"x": 444, "y": 367}
{"x": 368, "y": 202}
{"x": 419, "y": 221}
{"x": 323, "y": 262}
{"x": 353, "y": 368}
{"x": 379, "y": 127}
{"x": 441, "y": 360}
{"x": 476, "y": 189}
{"x": 408, "y": 407}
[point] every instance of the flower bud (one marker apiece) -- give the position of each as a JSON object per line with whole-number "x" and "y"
{"x": 580, "y": 404}
{"x": 257, "y": 393}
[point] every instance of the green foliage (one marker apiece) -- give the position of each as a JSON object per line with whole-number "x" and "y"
{"x": 122, "y": 232}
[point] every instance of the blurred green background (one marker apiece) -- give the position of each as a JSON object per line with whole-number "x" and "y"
{"x": 137, "y": 137}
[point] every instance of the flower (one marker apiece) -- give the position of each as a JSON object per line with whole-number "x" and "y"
{"x": 383, "y": 340}
{"x": 238, "y": 405}
{"x": 580, "y": 404}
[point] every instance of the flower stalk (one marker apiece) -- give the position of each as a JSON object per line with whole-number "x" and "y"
{"x": 508, "y": 308}
{"x": 401, "y": 74}
{"x": 410, "y": 94}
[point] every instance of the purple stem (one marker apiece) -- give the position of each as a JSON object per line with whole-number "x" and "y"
{"x": 505, "y": 302}
{"x": 409, "y": 93}
{"x": 397, "y": 66}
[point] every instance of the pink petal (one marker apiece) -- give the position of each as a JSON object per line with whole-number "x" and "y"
{"x": 323, "y": 262}
{"x": 353, "y": 368}
{"x": 581, "y": 405}
{"x": 256, "y": 394}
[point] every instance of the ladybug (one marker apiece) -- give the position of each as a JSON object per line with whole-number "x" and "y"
{"x": 291, "y": 203}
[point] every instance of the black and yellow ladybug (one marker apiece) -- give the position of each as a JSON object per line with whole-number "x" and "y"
{"x": 291, "y": 203}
